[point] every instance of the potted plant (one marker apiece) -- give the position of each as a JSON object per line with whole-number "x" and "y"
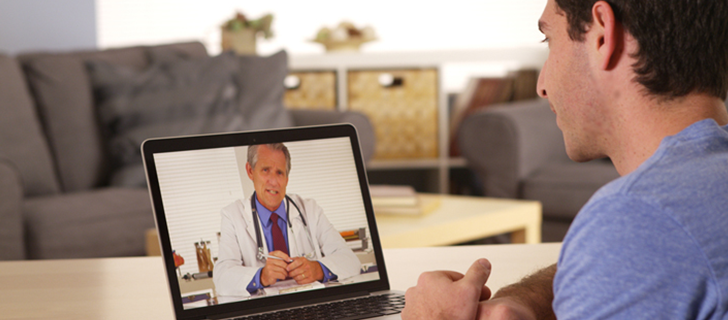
{"x": 345, "y": 37}
{"x": 239, "y": 33}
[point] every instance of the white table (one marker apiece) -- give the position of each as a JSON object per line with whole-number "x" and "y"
{"x": 460, "y": 219}
{"x": 129, "y": 288}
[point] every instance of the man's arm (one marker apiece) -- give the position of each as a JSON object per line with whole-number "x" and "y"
{"x": 530, "y": 298}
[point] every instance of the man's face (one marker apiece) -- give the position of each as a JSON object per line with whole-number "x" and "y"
{"x": 269, "y": 177}
{"x": 566, "y": 79}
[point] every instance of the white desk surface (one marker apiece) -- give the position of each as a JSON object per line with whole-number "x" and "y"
{"x": 124, "y": 288}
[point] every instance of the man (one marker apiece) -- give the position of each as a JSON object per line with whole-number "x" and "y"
{"x": 641, "y": 82}
{"x": 300, "y": 243}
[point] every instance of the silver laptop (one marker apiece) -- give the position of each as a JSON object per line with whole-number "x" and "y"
{"x": 225, "y": 255}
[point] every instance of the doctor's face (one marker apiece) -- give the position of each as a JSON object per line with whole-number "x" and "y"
{"x": 269, "y": 177}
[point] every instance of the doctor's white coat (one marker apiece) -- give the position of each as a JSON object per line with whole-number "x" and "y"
{"x": 237, "y": 258}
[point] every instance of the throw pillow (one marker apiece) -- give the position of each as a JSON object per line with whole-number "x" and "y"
{"x": 261, "y": 79}
{"x": 181, "y": 97}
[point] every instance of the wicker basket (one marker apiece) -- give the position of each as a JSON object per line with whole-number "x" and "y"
{"x": 314, "y": 90}
{"x": 402, "y": 105}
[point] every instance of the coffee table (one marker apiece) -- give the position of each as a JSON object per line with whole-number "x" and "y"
{"x": 460, "y": 219}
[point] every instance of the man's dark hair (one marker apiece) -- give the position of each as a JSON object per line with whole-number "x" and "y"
{"x": 683, "y": 44}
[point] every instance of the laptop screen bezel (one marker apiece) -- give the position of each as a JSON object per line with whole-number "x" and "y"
{"x": 224, "y": 140}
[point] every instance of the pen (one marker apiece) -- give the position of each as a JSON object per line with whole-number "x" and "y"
{"x": 274, "y": 257}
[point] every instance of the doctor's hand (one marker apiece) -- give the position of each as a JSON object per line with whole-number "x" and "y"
{"x": 305, "y": 271}
{"x": 448, "y": 294}
{"x": 274, "y": 269}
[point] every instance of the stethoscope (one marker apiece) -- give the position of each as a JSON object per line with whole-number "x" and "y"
{"x": 258, "y": 238}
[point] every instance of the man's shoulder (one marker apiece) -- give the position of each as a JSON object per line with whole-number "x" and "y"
{"x": 621, "y": 239}
{"x": 649, "y": 227}
{"x": 640, "y": 258}
{"x": 685, "y": 181}
{"x": 690, "y": 212}
{"x": 617, "y": 212}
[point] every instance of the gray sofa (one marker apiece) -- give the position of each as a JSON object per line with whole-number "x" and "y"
{"x": 518, "y": 152}
{"x": 56, "y": 200}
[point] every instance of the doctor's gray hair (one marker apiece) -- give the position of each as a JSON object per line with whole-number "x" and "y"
{"x": 253, "y": 154}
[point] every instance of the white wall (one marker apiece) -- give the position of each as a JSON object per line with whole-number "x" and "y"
{"x": 401, "y": 25}
{"x": 31, "y": 25}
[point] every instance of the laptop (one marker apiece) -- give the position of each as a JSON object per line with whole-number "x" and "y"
{"x": 202, "y": 195}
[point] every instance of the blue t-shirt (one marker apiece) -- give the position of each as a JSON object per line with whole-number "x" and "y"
{"x": 654, "y": 243}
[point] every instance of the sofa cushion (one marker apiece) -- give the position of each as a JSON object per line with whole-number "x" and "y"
{"x": 22, "y": 140}
{"x": 170, "y": 52}
{"x": 12, "y": 241}
{"x": 108, "y": 222}
{"x": 182, "y": 97}
{"x": 564, "y": 187}
{"x": 63, "y": 95}
{"x": 261, "y": 99}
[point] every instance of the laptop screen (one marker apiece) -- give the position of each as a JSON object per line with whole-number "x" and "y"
{"x": 215, "y": 197}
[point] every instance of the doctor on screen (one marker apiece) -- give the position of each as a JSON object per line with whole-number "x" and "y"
{"x": 273, "y": 236}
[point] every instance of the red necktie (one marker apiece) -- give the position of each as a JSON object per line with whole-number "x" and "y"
{"x": 279, "y": 242}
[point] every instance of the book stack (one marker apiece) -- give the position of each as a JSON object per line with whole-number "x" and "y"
{"x": 399, "y": 200}
{"x": 357, "y": 239}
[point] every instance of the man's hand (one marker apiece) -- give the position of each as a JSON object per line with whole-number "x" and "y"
{"x": 305, "y": 271}
{"x": 505, "y": 308}
{"x": 448, "y": 294}
{"x": 274, "y": 269}
{"x": 529, "y": 298}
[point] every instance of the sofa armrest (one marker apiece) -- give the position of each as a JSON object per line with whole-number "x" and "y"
{"x": 12, "y": 243}
{"x": 504, "y": 144}
{"x": 360, "y": 121}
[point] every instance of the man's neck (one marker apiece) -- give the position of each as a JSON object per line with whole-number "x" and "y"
{"x": 645, "y": 123}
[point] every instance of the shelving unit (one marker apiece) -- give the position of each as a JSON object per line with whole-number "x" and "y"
{"x": 344, "y": 63}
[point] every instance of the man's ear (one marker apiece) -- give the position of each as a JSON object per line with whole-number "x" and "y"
{"x": 607, "y": 35}
{"x": 249, "y": 170}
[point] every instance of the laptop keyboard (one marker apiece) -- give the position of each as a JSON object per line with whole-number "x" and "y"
{"x": 359, "y": 308}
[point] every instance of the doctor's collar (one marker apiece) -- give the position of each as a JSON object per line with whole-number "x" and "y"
{"x": 265, "y": 214}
